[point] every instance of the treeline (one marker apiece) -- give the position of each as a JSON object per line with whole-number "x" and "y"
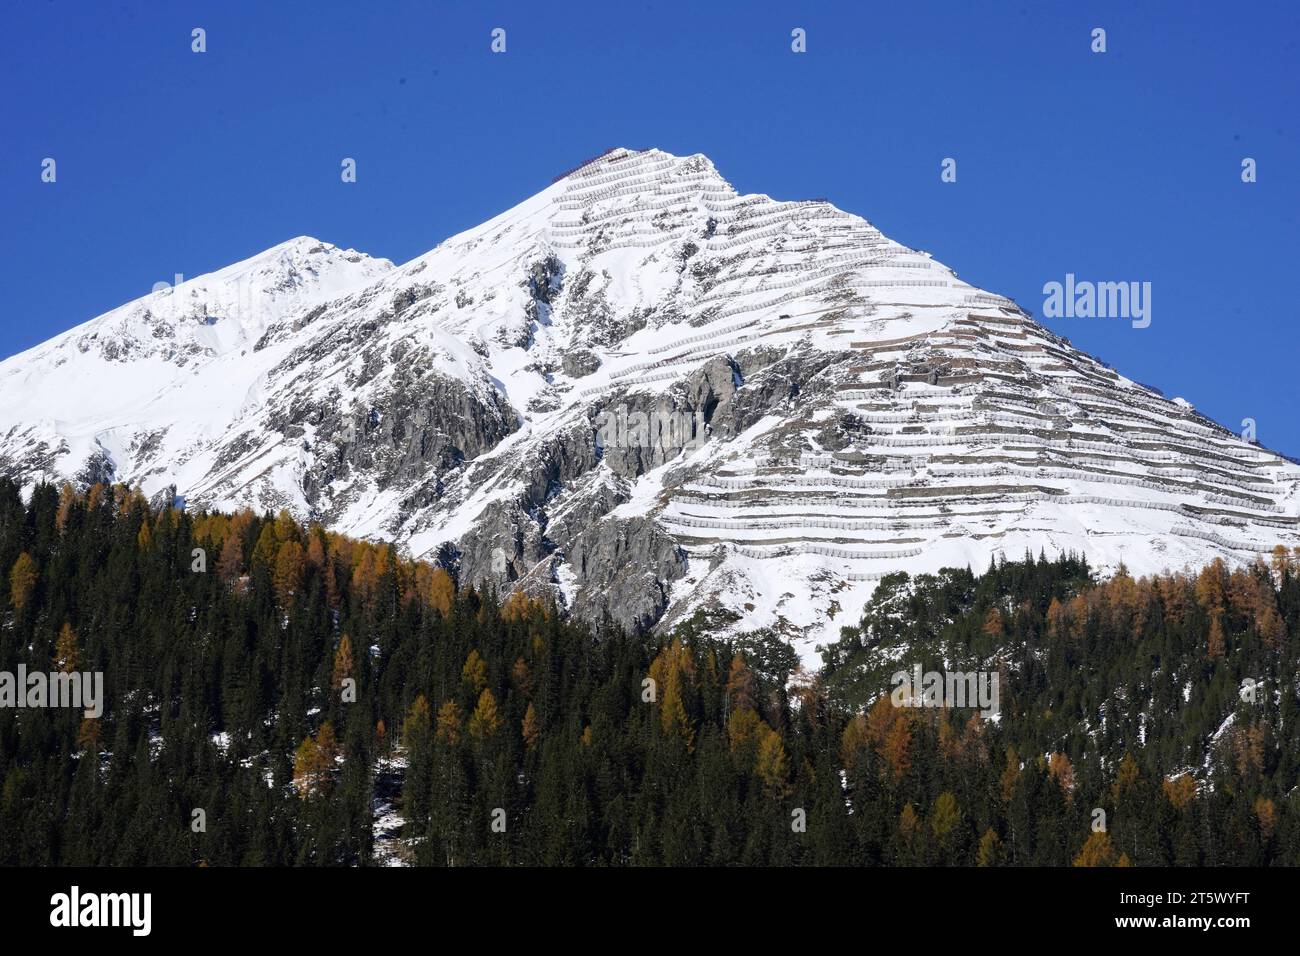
{"x": 259, "y": 675}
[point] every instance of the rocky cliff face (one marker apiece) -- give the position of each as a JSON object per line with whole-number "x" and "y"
{"x": 643, "y": 394}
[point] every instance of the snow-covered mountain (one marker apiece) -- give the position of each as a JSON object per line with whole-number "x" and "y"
{"x": 646, "y": 393}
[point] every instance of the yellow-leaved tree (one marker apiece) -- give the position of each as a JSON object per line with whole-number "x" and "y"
{"x": 22, "y": 581}
{"x": 416, "y": 723}
{"x": 945, "y": 815}
{"x": 442, "y": 592}
{"x": 740, "y": 684}
{"x": 989, "y": 851}
{"x": 532, "y": 730}
{"x": 1180, "y": 790}
{"x": 1061, "y": 770}
{"x": 289, "y": 573}
{"x": 474, "y": 674}
{"x": 673, "y": 673}
{"x": 343, "y": 663}
{"x": 230, "y": 564}
{"x": 315, "y": 761}
{"x": 771, "y": 765}
{"x": 88, "y": 735}
{"x": 1097, "y": 851}
{"x": 486, "y": 720}
{"x": 449, "y": 723}
{"x": 66, "y": 651}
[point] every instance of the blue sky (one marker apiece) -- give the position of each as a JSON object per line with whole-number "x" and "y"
{"x": 1122, "y": 166}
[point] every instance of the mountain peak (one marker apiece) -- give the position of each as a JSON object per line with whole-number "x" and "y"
{"x": 644, "y": 393}
{"x": 644, "y": 169}
{"x": 617, "y": 157}
{"x": 299, "y": 254}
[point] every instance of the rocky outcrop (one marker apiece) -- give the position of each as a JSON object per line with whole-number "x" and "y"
{"x": 627, "y": 568}
{"x": 413, "y": 431}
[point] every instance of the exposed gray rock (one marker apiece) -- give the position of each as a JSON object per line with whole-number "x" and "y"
{"x": 415, "y": 429}
{"x": 99, "y": 469}
{"x": 627, "y": 568}
{"x": 580, "y": 362}
{"x": 165, "y": 498}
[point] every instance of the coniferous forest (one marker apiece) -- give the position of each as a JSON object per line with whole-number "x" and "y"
{"x": 279, "y": 695}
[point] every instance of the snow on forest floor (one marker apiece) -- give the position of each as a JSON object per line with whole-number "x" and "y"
{"x": 390, "y": 847}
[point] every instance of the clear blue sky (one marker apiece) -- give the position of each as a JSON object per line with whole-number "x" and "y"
{"x": 1116, "y": 166}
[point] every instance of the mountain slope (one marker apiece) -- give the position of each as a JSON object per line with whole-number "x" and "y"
{"x": 647, "y": 394}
